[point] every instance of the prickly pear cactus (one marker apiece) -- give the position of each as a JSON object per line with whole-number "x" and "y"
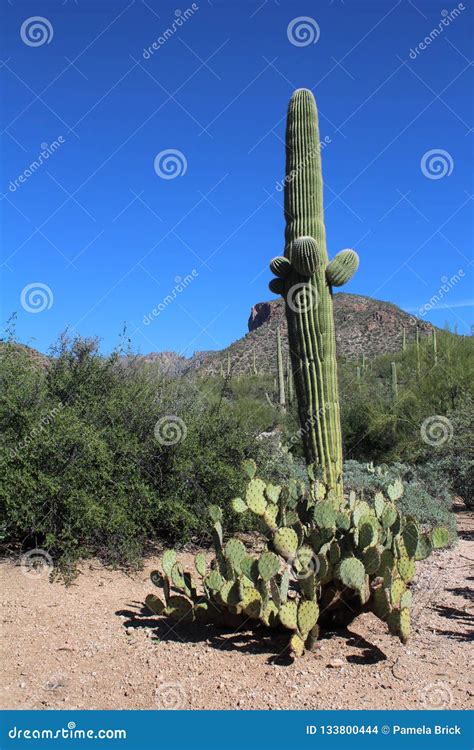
{"x": 324, "y": 562}
{"x": 305, "y": 278}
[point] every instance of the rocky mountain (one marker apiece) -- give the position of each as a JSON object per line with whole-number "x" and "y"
{"x": 363, "y": 326}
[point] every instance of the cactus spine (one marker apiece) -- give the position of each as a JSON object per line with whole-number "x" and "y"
{"x": 394, "y": 381}
{"x": 281, "y": 375}
{"x": 306, "y": 279}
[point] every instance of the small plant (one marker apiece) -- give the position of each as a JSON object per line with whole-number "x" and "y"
{"x": 324, "y": 561}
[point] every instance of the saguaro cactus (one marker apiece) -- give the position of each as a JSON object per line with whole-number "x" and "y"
{"x": 394, "y": 381}
{"x": 281, "y": 375}
{"x": 305, "y": 278}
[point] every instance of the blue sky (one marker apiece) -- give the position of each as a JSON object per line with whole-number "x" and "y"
{"x": 108, "y": 238}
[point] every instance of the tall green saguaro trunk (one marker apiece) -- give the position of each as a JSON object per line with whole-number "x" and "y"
{"x": 305, "y": 279}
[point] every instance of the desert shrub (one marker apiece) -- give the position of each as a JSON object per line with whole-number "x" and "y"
{"x": 426, "y": 497}
{"x": 83, "y": 470}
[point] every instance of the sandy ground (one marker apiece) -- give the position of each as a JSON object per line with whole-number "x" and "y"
{"x": 92, "y": 646}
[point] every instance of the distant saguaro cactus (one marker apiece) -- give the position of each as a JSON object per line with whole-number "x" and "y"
{"x": 281, "y": 374}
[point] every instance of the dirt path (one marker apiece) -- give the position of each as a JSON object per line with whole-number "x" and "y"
{"x": 91, "y": 646}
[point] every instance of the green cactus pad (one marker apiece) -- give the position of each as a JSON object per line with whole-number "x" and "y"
{"x": 277, "y": 286}
{"x": 351, "y": 573}
{"x": 235, "y": 552}
{"x": 296, "y": 645}
{"x": 387, "y": 561}
{"x": 406, "y": 568}
{"x": 272, "y": 492}
{"x": 289, "y": 615}
{"x": 371, "y": 560}
{"x": 342, "y": 267}
{"x": 270, "y": 516}
{"x": 250, "y": 467}
{"x": 177, "y": 576}
{"x": 440, "y": 537}
{"x": 308, "y": 613}
{"x": 381, "y": 603}
{"x": 229, "y": 594}
{"x": 200, "y": 563}
{"x": 343, "y": 521}
{"x": 207, "y": 613}
{"x": 215, "y": 513}
{"x": 367, "y": 535}
{"x": 251, "y": 602}
{"x": 269, "y": 615}
{"x": 167, "y": 561}
{"x": 424, "y": 547}
{"x": 325, "y": 514}
{"x": 280, "y": 266}
{"x": 255, "y": 497}
{"x": 379, "y": 504}
{"x": 334, "y": 554}
{"x": 411, "y": 536}
{"x": 406, "y": 600}
{"x": 395, "y": 490}
{"x": 305, "y": 256}
{"x": 389, "y": 515}
{"x": 268, "y": 565}
{"x": 238, "y": 505}
{"x": 312, "y": 638}
{"x": 214, "y": 581}
{"x": 404, "y": 625}
{"x": 285, "y": 541}
{"x": 249, "y": 567}
{"x": 179, "y": 609}
{"x": 361, "y": 509}
{"x": 396, "y": 590}
{"x": 155, "y": 604}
